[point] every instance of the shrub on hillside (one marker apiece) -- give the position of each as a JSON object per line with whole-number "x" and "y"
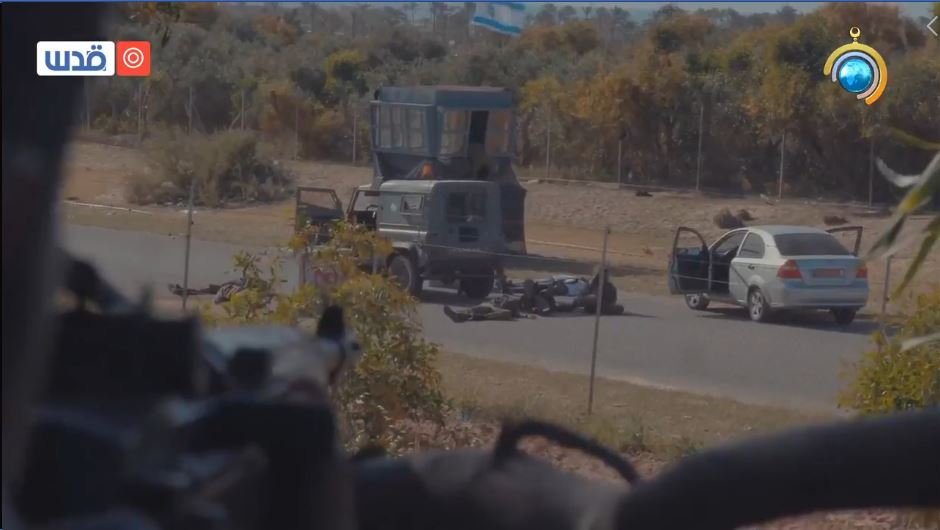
{"x": 397, "y": 378}
{"x": 889, "y": 378}
{"x": 226, "y": 166}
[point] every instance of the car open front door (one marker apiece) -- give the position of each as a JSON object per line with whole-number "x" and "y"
{"x": 689, "y": 265}
{"x": 316, "y": 206}
{"x": 363, "y": 208}
{"x": 858, "y": 236}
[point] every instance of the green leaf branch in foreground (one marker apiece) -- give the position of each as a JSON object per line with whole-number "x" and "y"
{"x": 922, "y": 188}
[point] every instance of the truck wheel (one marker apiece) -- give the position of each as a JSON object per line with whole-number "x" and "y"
{"x": 403, "y": 269}
{"x": 697, "y": 302}
{"x": 477, "y": 288}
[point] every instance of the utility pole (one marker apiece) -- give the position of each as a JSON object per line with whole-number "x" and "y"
{"x": 190, "y": 110}
{"x": 87, "y": 103}
{"x": 243, "y": 109}
{"x": 620, "y": 162}
{"x": 602, "y": 281}
{"x": 548, "y": 144}
{"x": 355, "y": 130}
{"x": 189, "y": 238}
{"x": 297, "y": 131}
{"x": 698, "y": 159}
{"x": 871, "y": 171}
{"x": 189, "y": 213}
{"x": 140, "y": 111}
{"x": 783, "y": 142}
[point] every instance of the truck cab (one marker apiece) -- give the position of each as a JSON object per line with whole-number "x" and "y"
{"x": 443, "y": 190}
{"x": 451, "y": 133}
{"x": 441, "y": 230}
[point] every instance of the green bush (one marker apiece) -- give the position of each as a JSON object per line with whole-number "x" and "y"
{"x": 226, "y": 166}
{"x": 888, "y": 378}
{"x": 397, "y": 379}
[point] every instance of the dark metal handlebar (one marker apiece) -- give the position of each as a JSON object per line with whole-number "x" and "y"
{"x": 888, "y": 462}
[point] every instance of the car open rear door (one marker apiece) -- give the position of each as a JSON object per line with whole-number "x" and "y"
{"x": 858, "y": 236}
{"x": 689, "y": 265}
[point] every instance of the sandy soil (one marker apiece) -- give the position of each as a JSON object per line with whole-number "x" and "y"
{"x": 569, "y": 216}
{"x": 559, "y": 398}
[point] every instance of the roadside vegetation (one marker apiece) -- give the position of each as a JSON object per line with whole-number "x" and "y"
{"x": 892, "y": 377}
{"x": 397, "y": 382}
{"x": 903, "y": 371}
{"x": 585, "y": 79}
{"x": 225, "y": 166}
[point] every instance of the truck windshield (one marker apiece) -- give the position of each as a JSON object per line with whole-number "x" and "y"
{"x": 809, "y": 245}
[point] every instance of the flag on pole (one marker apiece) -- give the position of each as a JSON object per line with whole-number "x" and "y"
{"x": 502, "y": 17}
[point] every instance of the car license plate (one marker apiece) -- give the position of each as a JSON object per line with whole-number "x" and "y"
{"x": 828, "y": 273}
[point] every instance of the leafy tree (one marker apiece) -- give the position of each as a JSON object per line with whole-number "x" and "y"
{"x": 547, "y": 16}
{"x": 567, "y": 14}
{"x": 310, "y": 80}
{"x": 203, "y": 14}
{"x": 345, "y": 68}
{"x": 397, "y": 378}
{"x": 539, "y": 100}
{"x": 754, "y": 75}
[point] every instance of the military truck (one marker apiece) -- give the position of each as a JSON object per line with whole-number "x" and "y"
{"x": 443, "y": 191}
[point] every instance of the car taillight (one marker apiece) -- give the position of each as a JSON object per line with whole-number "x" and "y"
{"x": 862, "y": 272}
{"x": 789, "y": 271}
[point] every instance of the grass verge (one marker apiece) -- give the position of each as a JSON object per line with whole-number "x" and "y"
{"x": 627, "y": 417}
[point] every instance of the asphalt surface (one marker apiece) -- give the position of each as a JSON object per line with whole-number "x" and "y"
{"x": 796, "y": 363}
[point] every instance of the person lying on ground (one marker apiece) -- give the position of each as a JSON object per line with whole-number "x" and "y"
{"x": 223, "y": 292}
{"x": 506, "y": 307}
{"x": 587, "y": 299}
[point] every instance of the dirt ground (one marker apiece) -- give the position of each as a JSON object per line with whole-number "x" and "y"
{"x": 563, "y": 222}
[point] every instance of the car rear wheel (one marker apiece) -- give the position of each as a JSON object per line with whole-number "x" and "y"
{"x": 404, "y": 269}
{"x": 697, "y": 302}
{"x": 757, "y": 307}
{"x": 843, "y": 317}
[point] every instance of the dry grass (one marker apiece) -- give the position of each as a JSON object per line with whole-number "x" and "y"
{"x": 651, "y": 427}
{"x": 630, "y": 417}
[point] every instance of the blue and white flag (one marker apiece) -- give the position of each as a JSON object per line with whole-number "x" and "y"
{"x": 502, "y": 17}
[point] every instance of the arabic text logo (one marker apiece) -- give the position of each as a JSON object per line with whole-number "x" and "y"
{"x": 133, "y": 58}
{"x": 74, "y": 58}
{"x": 858, "y": 68}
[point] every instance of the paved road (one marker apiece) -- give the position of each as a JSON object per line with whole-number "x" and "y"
{"x": 660, "y": 342}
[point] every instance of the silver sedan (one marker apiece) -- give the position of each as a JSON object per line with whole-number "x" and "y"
{"x": 768, "y": 268}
